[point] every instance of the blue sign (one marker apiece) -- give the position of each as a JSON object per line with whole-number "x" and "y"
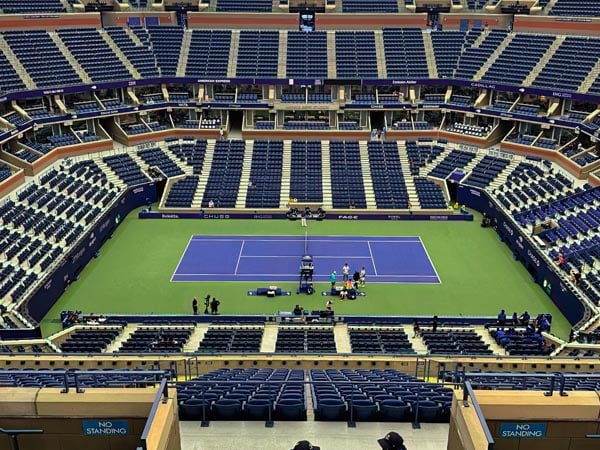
{"x": 105, "y": 427}
{"x": 522, "y": 430}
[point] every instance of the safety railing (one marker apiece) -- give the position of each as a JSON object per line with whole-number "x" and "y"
{"x": 161, "y": 397}
{"x": 72, "y": 378}
{"x": 469, "y": 400}
{"x": 14, "y": 435}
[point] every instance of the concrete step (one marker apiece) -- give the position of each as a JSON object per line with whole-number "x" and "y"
{"x": 417, "y": 343}
{"x": 245, "y": 177}
{"x": 195, "y": 338}
{"x": 122, "y": 337}
{"x": 342, "y": 338}
{"x": 488, "y": 339}
{"x": 269, "y": 338}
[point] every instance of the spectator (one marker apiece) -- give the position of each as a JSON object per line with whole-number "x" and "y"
{"x": 502, "y": 318}
{"x": 392, "y": 441}
{"x": 298, "y": 310}
{"x": 560, "y": 261}
{"x": 416, "y": 329}
{"x": 515, "y": 319}
{"x": 435, "y": 323}
{"x": 525, "y": 317}
{"x": 305, "y": 445}
{"x": 329, "y": 305}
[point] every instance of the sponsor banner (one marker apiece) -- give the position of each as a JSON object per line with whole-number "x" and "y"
{"x": 299, "y": 82}
{"x": 526, "y": 252}
{"x": 249, "y": 215}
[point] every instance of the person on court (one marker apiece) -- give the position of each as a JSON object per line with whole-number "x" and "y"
{"x": 345, "y": 271}
{"x": 195, "y": 306}
{"x": 363, "y": 276}
{"x": 303, "y": 219}
{"x": 332, "y": 279}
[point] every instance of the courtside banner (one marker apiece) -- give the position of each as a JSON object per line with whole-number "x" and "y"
{"x": 73, "y": 263}
{"x": 526, "y": 252}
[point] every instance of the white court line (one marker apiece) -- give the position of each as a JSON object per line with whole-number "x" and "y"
{"x": 209, "y": 236}
{"x": 372, "y": 259}
{"x": 301, "y": 238}
{"x": 181, "y": 257}
{"x": 314, "y": 256}
{"x": 239, "y": 257}
{"x": 229, "y": 274}
{"x": 430, "y": 261}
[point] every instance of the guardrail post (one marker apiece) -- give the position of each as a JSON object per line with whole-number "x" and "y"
{"x": 204, "y": 422}
{"x": 551, "y": 391}
{"x": 269, "y": 421}
{"x": 562, "y": 392}
{"x": 78, "y": 389}
{"x": 65, "y": 390}
{"x": 351, "y": 422}
{"x": 416, "y": 425}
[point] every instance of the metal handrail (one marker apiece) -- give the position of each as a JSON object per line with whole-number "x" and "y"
{"x": 71, "y": 376}
{"x": 14, "y": 435}
{"x": 469, "y": 394}
{"x": 161, "y": 398}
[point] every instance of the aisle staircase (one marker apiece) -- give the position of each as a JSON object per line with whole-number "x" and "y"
{"x": 503, "y": 176}
{"x": 409, "y": 181}
{"x": 286, "y": 173}
{"x": 430, "y": 55}
{"x": 478, "y": 157}
{"x": 16, "y": 64}
{"x": 269, "y": 339}
{"x": 423, "y": 171}
{"x": 326, "y": 176}
{"x": 111, "y": 176}
{"x": 590, "y": 78}
{"x": 493, "y": 57}
{"x": 122, "y": 337}
{"x": 69, "y": 56}
{"x": 380, "y": 53}
{"x": 367, "y": 179}
{"x": 488, "y": 339}
{"x": 184, "y": 53}
{"x": 196, "y": 337}
{"x": 203, "y": 178}
{"x": 117, "y": 51}
{"x": 342, "y": 338}
{"x": 245, "y": 177}
{"x": 477, "y": 42}
{"x": 331, "y": 55}
{"x": 558, "y": 40}
{"x": 282, "y": 56}
{"x": 233, "y": 52}
{"x": 416, "y": 341}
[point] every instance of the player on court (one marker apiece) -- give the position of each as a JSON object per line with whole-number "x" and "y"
{"x": 346, "y": 271}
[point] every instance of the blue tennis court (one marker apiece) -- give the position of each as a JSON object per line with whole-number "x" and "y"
{"x": 277, "y": 258}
